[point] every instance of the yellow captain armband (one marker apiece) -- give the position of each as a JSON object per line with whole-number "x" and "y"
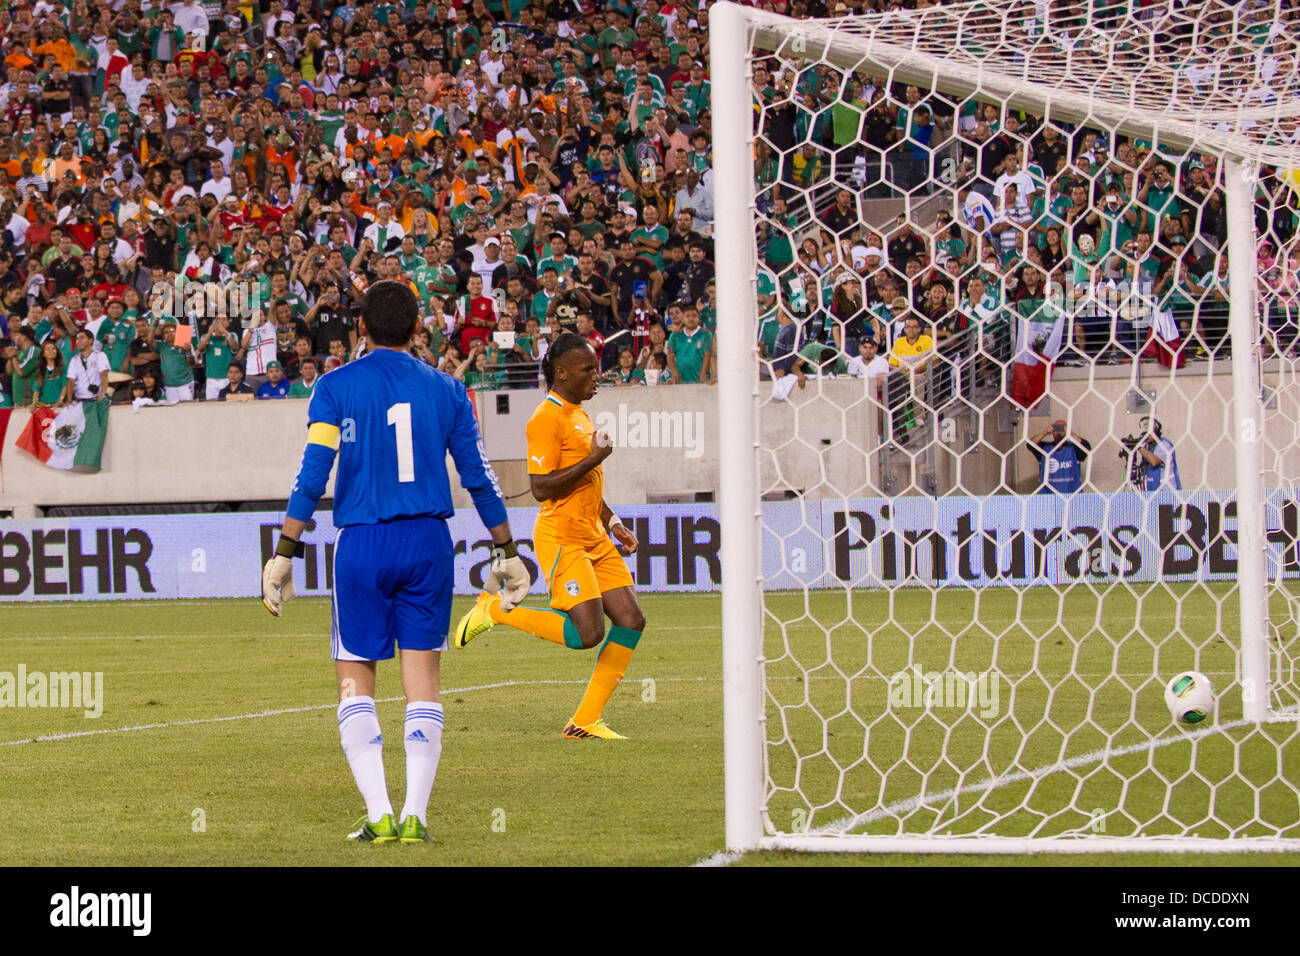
{"x": 322, "y": 433}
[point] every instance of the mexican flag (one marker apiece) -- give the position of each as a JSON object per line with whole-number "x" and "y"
{"x": 1165, "y": 341}
{"x": 1038, "y": 342}
{"x": 72, "y": 439}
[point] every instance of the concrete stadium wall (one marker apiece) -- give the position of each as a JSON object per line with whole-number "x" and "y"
{"x": 206, "y": 452}
{"x": 1194, "y": 406}
{"x": 667, "y": 441}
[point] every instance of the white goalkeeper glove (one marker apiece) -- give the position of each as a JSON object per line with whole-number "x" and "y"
{"x": 277, "y": 575}
{"x": 508, "y": 575}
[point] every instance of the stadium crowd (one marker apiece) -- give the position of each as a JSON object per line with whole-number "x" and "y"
{"x": 528, "y": 166}
{"x": 1023, "y": 243}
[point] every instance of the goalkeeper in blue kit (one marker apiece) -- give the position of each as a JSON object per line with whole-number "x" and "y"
{"x": 391, "y": 420}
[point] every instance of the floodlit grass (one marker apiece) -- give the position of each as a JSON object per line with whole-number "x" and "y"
{"x": 218, "y": 743}
{"x": 1059, "y": 726}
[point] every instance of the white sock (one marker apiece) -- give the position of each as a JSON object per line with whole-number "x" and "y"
{"x": 363, "y": 745}
{"x": 423, "y": 732}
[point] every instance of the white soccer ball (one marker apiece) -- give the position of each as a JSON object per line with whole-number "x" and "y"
{"x": 1190, "y": 699}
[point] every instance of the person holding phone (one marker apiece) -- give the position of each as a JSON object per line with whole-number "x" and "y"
{"x": 633, "y": 279}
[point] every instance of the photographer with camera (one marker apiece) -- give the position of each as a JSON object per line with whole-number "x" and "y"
{"x": 1157, "y": 453}
{"x": 87, "y": 372}
{"x": 1061, "y": 454}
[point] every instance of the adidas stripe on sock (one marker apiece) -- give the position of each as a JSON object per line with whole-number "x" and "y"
{"x": 423, "y": 737}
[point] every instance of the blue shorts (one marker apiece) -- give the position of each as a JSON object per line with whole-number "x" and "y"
{"x": 392, "y": 586}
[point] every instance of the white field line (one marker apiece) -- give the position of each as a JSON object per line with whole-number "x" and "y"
{"x": 45, "y": 738}
{"x": 988, "y": 785}
{"x": 253, "y": 715}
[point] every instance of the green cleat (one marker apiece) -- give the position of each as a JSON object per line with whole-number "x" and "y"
{"x": 411, "y": 830}
{"x": 384, "y": 830}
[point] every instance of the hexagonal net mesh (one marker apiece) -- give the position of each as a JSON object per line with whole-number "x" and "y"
{"x": 1013, "y": 424}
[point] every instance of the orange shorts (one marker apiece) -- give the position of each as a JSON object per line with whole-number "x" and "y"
{"x": 576, "y": 573}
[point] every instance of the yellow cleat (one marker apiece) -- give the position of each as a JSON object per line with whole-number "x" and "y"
{"x": 598, "y": 729}
{"x": 476, "y": 621}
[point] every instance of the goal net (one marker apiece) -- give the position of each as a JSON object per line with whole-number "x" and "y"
{"x": 1008, "y": 304}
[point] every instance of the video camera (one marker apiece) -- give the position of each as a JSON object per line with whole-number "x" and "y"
{"x": 1137, "y": 469}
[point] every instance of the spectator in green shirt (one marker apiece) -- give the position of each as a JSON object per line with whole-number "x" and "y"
{"x": 115, "y": 335}
{"x": 22, "y": 359}
{"x": 823, "y": 360}
{"x": 690, "y": 350}
{"x": 625, "y": 372}
{"x": 779, "y": 251}
{"x": 218, "y": 348}
{"x": 649, "y": 239}
{"x": 51, "y": 375}
{"x": 178, "y": 378}
{"x": 1158, "y": 194}
{"x": 306, "y": 385}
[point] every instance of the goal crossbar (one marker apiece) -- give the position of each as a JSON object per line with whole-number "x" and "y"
{"x": 824, "y": 41}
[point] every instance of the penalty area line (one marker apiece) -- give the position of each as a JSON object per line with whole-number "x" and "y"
{"x": 163, "y": 725}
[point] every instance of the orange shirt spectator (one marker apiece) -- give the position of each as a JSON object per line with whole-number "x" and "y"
{"x": 358, "y": 208}
{"x": 62, "y": 166}
{"x": 19, "y": 60}
{"x": 471, "y": 146}
{"x": 287, "y": 159}
{"x": 61, "y": 50}
{"x": 462, "y": 192}
{"x": 393, "y": 142}
{"x": 420, "y": 137}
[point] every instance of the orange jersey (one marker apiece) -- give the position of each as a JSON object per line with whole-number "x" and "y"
{"x": 559, "y": 435}
{"x": 61, "y": 50}
{"x": 395, "y": 143}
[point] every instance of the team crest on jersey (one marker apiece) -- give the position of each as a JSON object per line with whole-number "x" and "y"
{"x": 572, "y": 588}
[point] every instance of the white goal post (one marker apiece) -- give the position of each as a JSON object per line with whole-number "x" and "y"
{"x": 794, "y": 779}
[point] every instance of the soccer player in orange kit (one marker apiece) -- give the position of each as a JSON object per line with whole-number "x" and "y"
{"x": 586, "y": 575}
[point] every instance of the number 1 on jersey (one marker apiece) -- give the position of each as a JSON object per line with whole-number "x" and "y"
{"x": 400, "y": 416}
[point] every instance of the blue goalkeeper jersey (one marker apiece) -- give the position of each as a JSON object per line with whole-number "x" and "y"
{"x": 396, "y": 420}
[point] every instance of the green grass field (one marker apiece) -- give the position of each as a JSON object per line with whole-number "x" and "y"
{"x": 217, "y": 713}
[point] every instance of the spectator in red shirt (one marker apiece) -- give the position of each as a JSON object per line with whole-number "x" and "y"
{"x": 476, "y": 314}
{"x": 282, "y": 203}
{"x": 82, "y": 228}
{"x": 586, "y": 327}
{"x": 231, "y": 214}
